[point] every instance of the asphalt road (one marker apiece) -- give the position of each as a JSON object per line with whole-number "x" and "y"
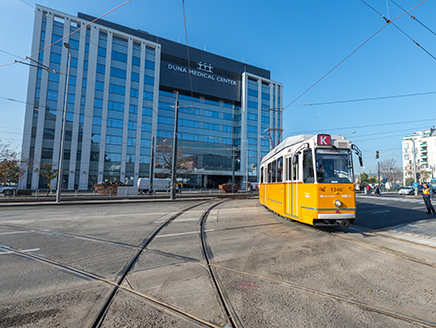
{"x": 147, "y": 264}
{"x": 390, "y": 210}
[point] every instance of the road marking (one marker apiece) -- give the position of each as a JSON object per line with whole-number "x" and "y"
{"x": 12, "y": 232}
{"x": 417, "y": 208}
{"x": 378, "y": 212}
{"x": 183, "y": 233}
{"x": 24, "y": 251}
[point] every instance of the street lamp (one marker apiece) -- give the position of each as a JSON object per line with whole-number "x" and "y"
{"x": 352, "y": 132}
{"x": 414, "y": 163}
{"x": 174, "y": 162}
{"x": 61, "y": 154}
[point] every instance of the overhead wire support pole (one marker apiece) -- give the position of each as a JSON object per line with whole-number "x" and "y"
{"x": 174, "y": 159}
{"x": 152, "y": 160}
{"x": 64, "y": 114}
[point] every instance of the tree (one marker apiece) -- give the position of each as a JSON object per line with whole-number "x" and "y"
{"x": 48, "y": 171}
{"x": 164, "y": 158}
{"x": 390, "y": 171}
{"x": 409, "y": 181}
{"x": 372, "y": 179}
{"x": 9, "y": 166}
{"x": 363, "y": 177}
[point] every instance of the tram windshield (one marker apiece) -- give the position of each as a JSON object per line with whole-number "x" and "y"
{"x": 333, "y": 166}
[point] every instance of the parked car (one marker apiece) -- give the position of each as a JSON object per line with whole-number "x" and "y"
{"x": 406, "y": 191}
{"x": 7, "y": 190}
{"x": 410, "y": 190}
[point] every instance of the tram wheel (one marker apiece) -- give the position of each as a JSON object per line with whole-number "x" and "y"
{"x": 345, "y": 224}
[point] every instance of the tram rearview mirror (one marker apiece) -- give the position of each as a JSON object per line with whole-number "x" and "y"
{"x": 360, "y": 161}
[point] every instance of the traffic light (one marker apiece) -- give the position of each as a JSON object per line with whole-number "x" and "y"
{"x": 418, "y": 176}
{"x": 377, "y": 154}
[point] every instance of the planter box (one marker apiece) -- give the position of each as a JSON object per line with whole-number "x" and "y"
{"x": 24, "y": 192}
{"x": 228, "y": 188}
{"x": 106, "y": 190}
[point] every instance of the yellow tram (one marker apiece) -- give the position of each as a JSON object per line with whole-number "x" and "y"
{"x": 309, "y": 178}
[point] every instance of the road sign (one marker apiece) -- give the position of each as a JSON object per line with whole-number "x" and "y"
{"x": 414, "y": 185}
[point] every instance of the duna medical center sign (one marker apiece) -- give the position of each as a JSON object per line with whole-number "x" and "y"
{"x": 204, "y": 71}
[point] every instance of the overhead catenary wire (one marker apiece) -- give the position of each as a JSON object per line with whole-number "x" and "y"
{"x": 388, "y": 21}
{"x": 368, "y": 126}
{"x": 187, "y": 50}
{"x": 91, "y": 116}
{"x": 354, "y": 51}
{"x": 27, "y": 4}
{"x": 296, "y": 133}
{"x": 368, "y": 99}
{"x": 414, "y": 18}
{"x": 66, "y": 36}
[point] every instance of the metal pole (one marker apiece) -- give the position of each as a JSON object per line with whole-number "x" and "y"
{"x": 174, "y": 163}
{"x": 379, "y": 182}
{"x": 233, "y": 170}
{"x": 246, "y": 168}
{"x": 61, "y": 153}
{"x": 414, "y": 166}
{"x": 150, "y": 187}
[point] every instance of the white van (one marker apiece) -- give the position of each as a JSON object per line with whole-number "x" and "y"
{"x": 158, "y": 185}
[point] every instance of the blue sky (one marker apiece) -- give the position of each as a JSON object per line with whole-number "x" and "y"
{"x": 298, "y": 41}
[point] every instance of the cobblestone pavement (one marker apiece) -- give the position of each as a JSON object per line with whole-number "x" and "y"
{"x": 422, "y": 231}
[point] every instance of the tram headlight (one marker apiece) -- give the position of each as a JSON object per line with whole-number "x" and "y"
{"x": 337, "y": 203}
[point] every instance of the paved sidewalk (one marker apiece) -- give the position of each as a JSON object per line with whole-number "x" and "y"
{"x": 422, "y": 232}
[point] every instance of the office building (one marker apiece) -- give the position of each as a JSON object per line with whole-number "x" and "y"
{"x": 419, "y": 155}
{"x": 122, "y": 90}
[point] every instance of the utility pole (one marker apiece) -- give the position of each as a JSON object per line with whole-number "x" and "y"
{"x": 233, "y": 170}
{"x": 150, "y": 187}
{"x": 174, "y": 163}
{"x": 64, "y": 114}
{"x": 377, "y": 155}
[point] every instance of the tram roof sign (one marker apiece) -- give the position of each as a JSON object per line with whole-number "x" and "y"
{"x": 323, "y": 140}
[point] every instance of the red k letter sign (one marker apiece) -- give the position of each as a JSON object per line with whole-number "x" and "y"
{"x": 324, "y": 140}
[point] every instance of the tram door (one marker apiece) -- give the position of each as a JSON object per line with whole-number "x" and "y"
{"x": 292, "y": 192}
{"x": 265, "y": 179}
{"x": 292, "y": 185}
{"x": 289, "y": 194}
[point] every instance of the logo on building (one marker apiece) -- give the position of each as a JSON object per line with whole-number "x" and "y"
{"x": 203, "y": 70}
{"x": 204, "y": 67}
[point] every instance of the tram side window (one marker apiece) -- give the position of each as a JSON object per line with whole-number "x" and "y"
{"x": 280, "y": 169}
{"x": 269, "y": 178}
{"x": 274, "y": 171}
{"x": 295, "y": 168}
{"x": 308, "y": 174}
{"x": 289, "y": 168}
{"x": 261, "y": 175}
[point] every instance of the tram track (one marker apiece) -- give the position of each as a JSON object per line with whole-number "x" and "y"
{"x": 379, "y": 248}
{"x": 231, "y": 314}
{"x": 117, "y": 286}
{"x": 213, "y": 269}
{"x": 361, "y": 304}
{"x": 67, "y": 235}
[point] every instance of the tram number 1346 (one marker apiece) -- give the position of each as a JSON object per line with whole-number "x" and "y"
{"x": 309, "y": 178}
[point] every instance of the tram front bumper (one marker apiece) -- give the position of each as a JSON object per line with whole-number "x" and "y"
{"x": 334, "y": 219}
{"x": 336, "y": 216}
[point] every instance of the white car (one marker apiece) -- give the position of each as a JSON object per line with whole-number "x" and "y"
{"x": 406, "y": 191}
{"x": 8, "y": 190}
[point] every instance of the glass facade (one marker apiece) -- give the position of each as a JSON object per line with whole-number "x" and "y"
{"x": 118, "y": 102}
